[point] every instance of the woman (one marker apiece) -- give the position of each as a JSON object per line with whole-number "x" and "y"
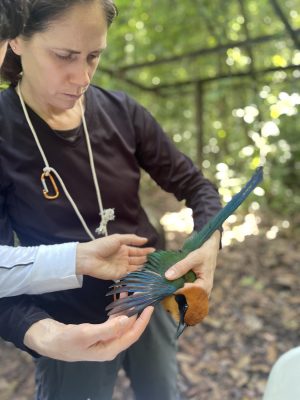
{"x": 34, "y": 270}
{"x": 91, "y": 144}
{"x": 40, "y": 269}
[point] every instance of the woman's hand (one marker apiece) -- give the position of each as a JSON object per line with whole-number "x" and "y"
{"x": 111, "y": 257}
{"x": 202, "y": 261}
{"x": 86, "y": 342}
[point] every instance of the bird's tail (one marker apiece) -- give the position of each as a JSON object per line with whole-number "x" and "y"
{"x": 196, "y": 240}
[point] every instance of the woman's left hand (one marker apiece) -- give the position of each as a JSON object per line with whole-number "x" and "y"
{"x": 111, "y": 257}
{"x": 202, "y": 261}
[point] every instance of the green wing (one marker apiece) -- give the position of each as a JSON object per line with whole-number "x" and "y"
{"x": 149, "y": 285}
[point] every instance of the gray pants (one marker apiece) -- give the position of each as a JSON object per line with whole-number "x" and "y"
{"x": 150, "y": 365}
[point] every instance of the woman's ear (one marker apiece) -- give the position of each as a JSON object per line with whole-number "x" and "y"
{"x": 15, "y": 46}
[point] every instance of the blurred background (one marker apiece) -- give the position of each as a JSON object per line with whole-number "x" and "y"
{"x": 222, "y": 78}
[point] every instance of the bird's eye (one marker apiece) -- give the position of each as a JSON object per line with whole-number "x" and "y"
{"x": 181, "y": 301}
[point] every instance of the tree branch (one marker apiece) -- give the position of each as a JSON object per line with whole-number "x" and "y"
{"x": 291, "y": 31}
{"x": 158, "y": 89}
{"x": 201, "y": 52}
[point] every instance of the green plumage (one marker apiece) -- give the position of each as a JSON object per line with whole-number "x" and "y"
{"x": 150, "y": 285}
{"x": 160, "y": 261}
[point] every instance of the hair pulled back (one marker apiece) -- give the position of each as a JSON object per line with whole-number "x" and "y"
{"x": 13, "y": 14}
{"x": 41, "y": 13}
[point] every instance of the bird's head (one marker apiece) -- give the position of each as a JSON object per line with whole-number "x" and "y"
{"x": 188, "y": 306}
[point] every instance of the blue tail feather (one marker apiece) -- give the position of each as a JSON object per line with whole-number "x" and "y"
{"x": 216, "y": 222}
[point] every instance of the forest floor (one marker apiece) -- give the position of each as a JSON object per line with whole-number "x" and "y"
{"x": 254, "y": 318}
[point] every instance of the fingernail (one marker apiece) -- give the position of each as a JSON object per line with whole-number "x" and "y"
{"x": 170, "y": 273}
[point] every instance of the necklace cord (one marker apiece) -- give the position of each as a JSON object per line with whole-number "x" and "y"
{"x": 106, "y": 215}
{"x": 92, "y": 164}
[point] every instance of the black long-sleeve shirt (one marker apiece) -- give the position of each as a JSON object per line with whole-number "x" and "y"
{"x": 124, "y": 138}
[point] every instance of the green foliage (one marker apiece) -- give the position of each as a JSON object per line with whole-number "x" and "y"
{"x": 241, "y": 114}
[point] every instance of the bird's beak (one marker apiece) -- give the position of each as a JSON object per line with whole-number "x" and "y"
{"x": 181, "y": 327}
{"x": 182, "y": 306}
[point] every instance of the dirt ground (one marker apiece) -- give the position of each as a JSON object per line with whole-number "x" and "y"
{"x": 254, "y": 318}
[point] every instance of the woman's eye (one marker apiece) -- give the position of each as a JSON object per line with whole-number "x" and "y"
{"x": 64, "y": 56}
{"x": 94, "y": 56}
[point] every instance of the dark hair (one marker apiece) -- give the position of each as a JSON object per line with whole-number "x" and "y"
{"x": 41, "y": 13}
{"x": 13, "y": 15}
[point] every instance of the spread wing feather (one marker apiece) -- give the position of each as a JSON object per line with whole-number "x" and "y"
{"x": 149, "y": 284}
{"x": 148, "y": 287}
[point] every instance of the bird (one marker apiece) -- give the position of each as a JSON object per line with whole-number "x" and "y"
{"x": 188, "y": 304}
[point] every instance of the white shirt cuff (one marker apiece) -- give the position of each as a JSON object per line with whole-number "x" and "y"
{"x": 55, "y": 269}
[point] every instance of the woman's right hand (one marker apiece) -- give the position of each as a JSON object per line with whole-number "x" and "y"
{"x": 86, "y": 342}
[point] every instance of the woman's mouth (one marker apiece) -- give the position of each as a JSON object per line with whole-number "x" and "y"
{"x": 73, "y": 96}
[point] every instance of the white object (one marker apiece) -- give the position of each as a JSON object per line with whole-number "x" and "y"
{"x": 39, "y": 269}
{"x": 284, "y": 379}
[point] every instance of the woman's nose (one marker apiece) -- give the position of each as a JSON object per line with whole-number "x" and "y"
{"x": 81, "y": 75}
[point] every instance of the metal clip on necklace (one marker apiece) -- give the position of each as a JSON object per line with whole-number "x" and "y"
{"x": 106, "y": 214}
{"x": 46, "y": 190}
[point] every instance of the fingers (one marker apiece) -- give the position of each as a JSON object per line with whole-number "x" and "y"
{"x": 193, "y": 261}
{"x": 132, "y": 240}
{"x": 143, "y": 320}
{"x": 136, "y": 261}
{"x": 111, "y": 329}
{"x": 205, "y": 283}
{"x": 137, "y": 252}
{"x": 137, "y": 329}
{"x": 108, "y": 350}
{"x": 178, "y": 269}
{"x": 138, "y": 257}
{"x": 106, "y": 340}
{"x": 117, "y": 327}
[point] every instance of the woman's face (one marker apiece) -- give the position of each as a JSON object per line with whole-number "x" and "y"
{"x": 59, "y": 63}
